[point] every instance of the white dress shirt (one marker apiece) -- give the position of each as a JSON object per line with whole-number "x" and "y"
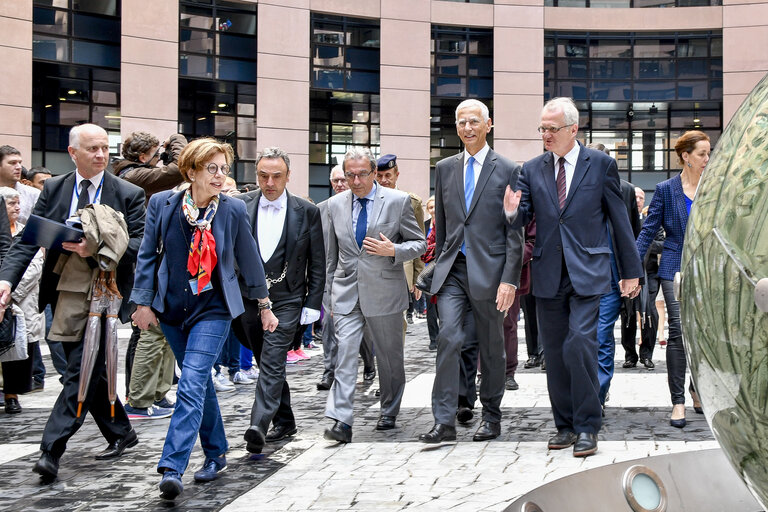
{"x": 479, "y": 160}
{"x": 270, "y": 223}
{"x": 94, "y": 191}
{"x": 570, "y": 166}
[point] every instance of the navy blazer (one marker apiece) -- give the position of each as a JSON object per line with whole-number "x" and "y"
{"x": 233, "y": 241}
{"x": 577, "y": 233}
{"x": 667, "y": 210}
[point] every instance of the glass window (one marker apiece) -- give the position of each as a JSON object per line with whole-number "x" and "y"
{"x": 105, "y": 7}
{"x": 50, "y": 48}
{"x": 95, "y": 27}
{"x": 196, "y": 65}
{"x": 611, "y": 91}
{"x": 236, "y": 46}
{"x": 654, "y": 48}
{"x": 95, "y": 54}
{"x": 654, "y": 69}
{"x": 610, "y": 48}
{"x": 237, "y": 22}
{"x": 191, "y": 17}
{"x": 238, "y": 70}
{"x": 480, "y": 87}
{"x": 692, "y": 68}
{"x": 362, "y": 58}
{"x": 331, "y": 56}
{"x": 50, "y": 21}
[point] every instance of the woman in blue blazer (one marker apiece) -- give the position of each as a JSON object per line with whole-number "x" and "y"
{"x": 186, "y": 280}
{"x": 669, "y": 209}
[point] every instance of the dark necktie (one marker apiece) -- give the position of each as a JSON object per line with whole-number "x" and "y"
{"x": 83, "y": 199}
{"x": 561, "y": 182}
{"x": 362, "y": 222}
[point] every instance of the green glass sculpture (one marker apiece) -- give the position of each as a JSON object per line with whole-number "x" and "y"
{"x": 724, "y": 259}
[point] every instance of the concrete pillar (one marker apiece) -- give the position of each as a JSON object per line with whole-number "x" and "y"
{"x": 745, "y": 63}
{"x": 282, "y": 102}
{"x": 16, "y": 87}
{"x": 149, "y": 78}
{"x": 518, "y": 78}
{"x": 405, "y": 90}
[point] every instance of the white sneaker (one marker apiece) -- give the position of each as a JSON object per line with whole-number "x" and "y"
{"x": 252, "y": 372}
{"x": 241, "y": 378}
{"x": 222, "y": 384}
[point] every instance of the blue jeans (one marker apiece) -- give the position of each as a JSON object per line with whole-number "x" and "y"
{"x": 246, "y": 358}
{"x": 197, "y": 409}
{"x": 610, "y": 304}
{"x": 229, "y": 355}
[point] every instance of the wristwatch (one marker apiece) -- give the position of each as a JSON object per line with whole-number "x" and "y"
{"x": 267, "y": 304}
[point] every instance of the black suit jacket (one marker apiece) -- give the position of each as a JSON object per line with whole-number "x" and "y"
{"x": 54, "y": 203}
{"x": 629, "y": 198}
{"x": 304, "y": 248}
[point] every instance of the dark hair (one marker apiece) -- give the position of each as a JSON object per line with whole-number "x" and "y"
{"x": 8, "y": 150}
{"x": 599, "y": 146}
{"x": 137, "y": 144}
{"x": 39, "y": 169}
{"x": 687, "y": 142}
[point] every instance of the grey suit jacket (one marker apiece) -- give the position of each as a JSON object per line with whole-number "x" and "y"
{"x": 323, "y": 207}
{"x": 378, "y": 282}
{"x": 494, "y": 250}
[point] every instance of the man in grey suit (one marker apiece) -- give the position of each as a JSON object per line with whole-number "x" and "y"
{"x": 372, "y": 230}
{"x": 479, "y": 258}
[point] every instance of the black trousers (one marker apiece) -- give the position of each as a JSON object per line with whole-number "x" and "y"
{"x": 528, "y": 305}
{"x": 250, "y": 331}
{"x": 63, "y": 421}
{"x": 17, "y": 375}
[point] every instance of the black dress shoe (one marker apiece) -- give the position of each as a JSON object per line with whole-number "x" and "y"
{"x": 586, "y": 444}
{"x": 629, "y": 364}
{"x": 532, "y": 362}
{"x": 563, "y": 439}
{"x": 369, "y": 374}
{"x": 254, "y": 439}
{"x": 47, "y": 467}
{"x": 385, "y": 423}
{"x": 118, "y": 446}
{"x": 488, "y": 430}
{"x": 439, "y": 433}
{"x": 647, "y": 363}
{"x": 432, "y": 346}
{"x": 543, "y": 365}
{"x": 12, "y": 406}
{"x": 280, "y": 432}
{"x": 340, "y": 432}
{"x": 511, "y": 384}
{"x": 464, "y": 414}
{"x": 325, "y": 383}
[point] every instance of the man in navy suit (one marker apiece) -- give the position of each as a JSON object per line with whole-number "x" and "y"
{"x": 61, "y": 198}
{"x": 573, "y": 191}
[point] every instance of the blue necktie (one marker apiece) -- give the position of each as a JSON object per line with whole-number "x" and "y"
{"x": 469, "y": 190}
{"x": 469, "y": 182}
{"x": 362, "y": 222}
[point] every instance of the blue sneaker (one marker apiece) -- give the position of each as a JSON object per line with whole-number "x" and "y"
{"x": 211, "y": 469}
{"x": 150, "y": 413}
{"x": 164, "y": 403}
{"x": 170, "y": 485}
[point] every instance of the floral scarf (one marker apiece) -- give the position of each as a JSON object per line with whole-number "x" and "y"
{"x": 202, "y": 248}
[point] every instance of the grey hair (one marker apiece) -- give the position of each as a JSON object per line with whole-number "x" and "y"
{"x": 472, "y": 104}
{"x": 8, "y": 193}
{"x": 274, "y": 152}
{"x": 600, "y": 147}
{"x": 74, "y": 133}
{"x": 336, "y": 168}
{"x": 358, "y": 153}
{"x": 570, "y": 112}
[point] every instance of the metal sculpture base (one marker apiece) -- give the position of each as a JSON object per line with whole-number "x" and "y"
{"x": 692, "y": 481}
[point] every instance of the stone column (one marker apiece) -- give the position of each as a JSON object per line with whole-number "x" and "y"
{"x": 16, "y": 88}
{"x": 518, "y": 78}
{"x": 405, "y": 90}
{"x": 282, "y": 101}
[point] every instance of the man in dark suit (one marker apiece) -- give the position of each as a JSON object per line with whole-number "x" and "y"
{"x": 478, "y": 261}
{"x": 289, "y": 235}
{"x": 62, "y": 196}
{"x": 573, "y": 191}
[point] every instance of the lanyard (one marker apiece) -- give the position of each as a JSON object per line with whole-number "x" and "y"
{"x": 98, "y": 190}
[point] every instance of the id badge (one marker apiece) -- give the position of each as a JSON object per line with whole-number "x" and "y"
{"x": 193, "y": 286}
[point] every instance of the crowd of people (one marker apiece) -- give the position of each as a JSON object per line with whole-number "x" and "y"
{"x": 218, "y": 280}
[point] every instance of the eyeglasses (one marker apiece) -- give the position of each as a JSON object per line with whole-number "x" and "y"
{"x": 552, "y": 129}
{"x": 473, "y": 122}
{"x": 351, "y": 175}
{"x": 213, "y": 169}
{"x": 338, "y": 180}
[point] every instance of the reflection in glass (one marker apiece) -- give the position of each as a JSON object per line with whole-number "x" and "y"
{"x": 50, "y": 21}
{"x": 95, "y": 54}
{"x": 50, "y": 48}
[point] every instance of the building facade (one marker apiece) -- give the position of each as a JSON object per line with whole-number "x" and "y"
{"x": 316, "y": 76}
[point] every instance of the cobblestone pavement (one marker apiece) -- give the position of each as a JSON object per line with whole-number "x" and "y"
{"x": 377, "y": 471}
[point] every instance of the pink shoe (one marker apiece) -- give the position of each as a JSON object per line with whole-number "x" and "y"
{"x": 302, "y": 355}
{"x": 292, "y": 357}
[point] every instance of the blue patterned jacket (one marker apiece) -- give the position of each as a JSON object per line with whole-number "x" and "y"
{"x": 667, "y": 210}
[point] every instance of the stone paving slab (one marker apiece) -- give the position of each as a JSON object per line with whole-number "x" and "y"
{"x": 378, "y": 471}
